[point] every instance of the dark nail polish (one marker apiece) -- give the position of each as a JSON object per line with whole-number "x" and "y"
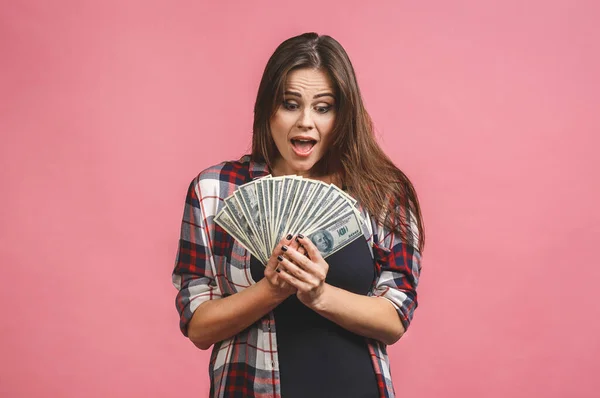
{"x": 301, "y": 236}
{"x": 284, "y": 248}
{"x": 289, "y": 237}
{"x": 277, "y": 270}
{"x": 280, "y": 258}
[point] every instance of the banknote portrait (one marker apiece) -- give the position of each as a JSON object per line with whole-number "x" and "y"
{"x": 323, "y": 241}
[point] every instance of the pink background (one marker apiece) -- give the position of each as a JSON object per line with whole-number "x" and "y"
{"x": 108, "y": 109}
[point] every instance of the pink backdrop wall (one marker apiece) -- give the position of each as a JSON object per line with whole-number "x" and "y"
{"x": 108, "y": 109}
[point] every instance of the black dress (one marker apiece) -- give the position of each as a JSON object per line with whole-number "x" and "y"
{"x": 318, "y": 358}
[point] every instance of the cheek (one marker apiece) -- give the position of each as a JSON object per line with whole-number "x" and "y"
{"x": 276, "y": 131}
{"x": 280, "y": 124}
{"x": 326, "y": 127}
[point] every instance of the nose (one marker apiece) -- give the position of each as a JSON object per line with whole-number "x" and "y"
{"x": 305, "y": 121}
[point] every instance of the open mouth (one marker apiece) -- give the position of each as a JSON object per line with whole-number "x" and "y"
{"x": 303, "y": 146}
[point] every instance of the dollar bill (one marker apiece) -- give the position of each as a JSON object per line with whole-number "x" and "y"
{"x": 263, "y": 213}
{"x": 266, "y": 208}
{"x": 270, "y": 202}
{"x": 278, "y": 185}
{"x": 280, "y": 206}
{"x": 225, "y": 220}
{"x": 335, "y": 210}
{"x": 349, "y": 198}
{"x": 287, "y": 201}
{"x": 321, "y": 205}
{"x": 248, "y": 206}
{"x": 237, "y": 216}
{"x": 296, "y": 203}
{"x": 314, "y": 202}
{"x": 304, "y": 200}
{"x": 334, "y": 236}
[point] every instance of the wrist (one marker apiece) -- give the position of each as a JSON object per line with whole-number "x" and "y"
{"x": 320, "y": 302}
{"x": 274, "y": 294}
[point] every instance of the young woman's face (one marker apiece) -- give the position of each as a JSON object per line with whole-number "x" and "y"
{"x": 303, "y": 123}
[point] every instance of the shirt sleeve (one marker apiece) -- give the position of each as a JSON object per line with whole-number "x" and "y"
{"x": 399, "y": 268}
{"x": 194, "y": 272}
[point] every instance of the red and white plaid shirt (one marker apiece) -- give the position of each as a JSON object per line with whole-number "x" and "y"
{"x": 210, "y": 264}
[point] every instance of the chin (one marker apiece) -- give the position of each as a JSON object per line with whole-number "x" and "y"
{"x": 303, "y": 165}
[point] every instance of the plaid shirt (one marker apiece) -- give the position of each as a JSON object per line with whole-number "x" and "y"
{"x": 210, "y": 264}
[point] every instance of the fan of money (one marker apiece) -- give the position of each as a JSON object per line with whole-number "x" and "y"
{"x": 258, "y": 214}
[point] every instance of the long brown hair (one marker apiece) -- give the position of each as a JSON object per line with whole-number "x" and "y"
{"x": 354, "y": 155}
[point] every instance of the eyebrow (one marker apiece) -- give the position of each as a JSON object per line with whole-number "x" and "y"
{"x": 296, "y": 94}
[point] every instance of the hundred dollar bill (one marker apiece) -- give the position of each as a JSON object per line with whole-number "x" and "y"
{"x": 296, "y": 204}
{"x": 224, "y": 219}
{"x": 261, "y": 208}
{"x": 337, "y": 234}
{"x": 246, "y": 196}
{"x": 278, "y": 186}
{"x": 314, "y": 202}
{"x": 237, "y": 217}
{"x": 271, "y": 204}
{"x": 280, "y": 193}
{"x": 265, "y": 207}
{"x": 287, "y": 201}
{"x": 349, "y": 198}
{"x": 304, "y": 200}
{"x": 335, "y": 209}
{"x": 321, "y": 205}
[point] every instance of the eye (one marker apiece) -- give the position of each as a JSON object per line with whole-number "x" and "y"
{"x": 290, "y": 106}
{"x": 323, "y": 109}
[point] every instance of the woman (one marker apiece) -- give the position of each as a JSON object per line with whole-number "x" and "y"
{"x": 303, "y": 326}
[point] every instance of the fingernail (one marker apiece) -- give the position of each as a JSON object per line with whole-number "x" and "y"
{"x": 300, "y": 236}
{"x": 284, "y": 248}
{"x": 277, "y": 270}
{"x": 280, "y": 258}
{"x": 289, "y": 237}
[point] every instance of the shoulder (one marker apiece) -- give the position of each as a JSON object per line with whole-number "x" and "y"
{"x": 223, "y": 176}
{"x": 231, "y": 172}
{"x": 218, "y": 181}
{"x": 212, "y": 185}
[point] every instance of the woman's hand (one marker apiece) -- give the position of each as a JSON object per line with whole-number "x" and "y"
{"x": 306, "y": 273}
{"x": 279, "y": 286}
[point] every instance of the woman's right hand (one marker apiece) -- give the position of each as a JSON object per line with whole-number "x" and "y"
{"x": 279, "y": 287}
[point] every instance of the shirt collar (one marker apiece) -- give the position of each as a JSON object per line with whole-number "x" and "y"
{"x": 257, "y": 169}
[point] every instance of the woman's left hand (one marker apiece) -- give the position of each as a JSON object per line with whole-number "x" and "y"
{"x": 306, "y": 273}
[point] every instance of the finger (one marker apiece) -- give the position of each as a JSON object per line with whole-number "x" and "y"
{"x": 298, "y": 258}
{"x": 290, "y": 280}
{"x": 293, "y": 269}
{"x": 272, "y": 263}
{"x": 295, "y": 282}
{"x": 310, "y": 248}
{"x": 302, "y": 250}
{"x": 294, "y": 244}
{"x": 286, "y": 240}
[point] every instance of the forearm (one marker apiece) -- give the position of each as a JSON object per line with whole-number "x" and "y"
{"x": 220, "y": 319}
{"x": 372, "y": 317}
